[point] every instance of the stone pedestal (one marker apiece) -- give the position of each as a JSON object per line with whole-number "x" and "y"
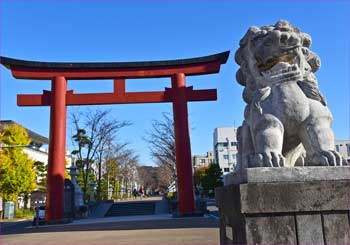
{"x": 309, "y": 205}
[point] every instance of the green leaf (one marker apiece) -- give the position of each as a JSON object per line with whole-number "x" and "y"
{"x": 18, "y": 173}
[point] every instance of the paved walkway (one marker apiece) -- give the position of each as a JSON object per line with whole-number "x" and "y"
{"x": 137, "y": 199}
{"x": 147, "y": 229}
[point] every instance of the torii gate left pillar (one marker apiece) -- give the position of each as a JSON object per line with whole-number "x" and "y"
{"x": 58, "y": 98}
{"x": 57, "y": 150}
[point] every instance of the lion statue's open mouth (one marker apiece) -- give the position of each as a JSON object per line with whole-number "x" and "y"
{"x": 282, "y": 72}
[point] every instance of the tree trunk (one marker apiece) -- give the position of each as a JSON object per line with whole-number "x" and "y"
{"x": 85, "y": 182}
{"x": 99, "y": 182}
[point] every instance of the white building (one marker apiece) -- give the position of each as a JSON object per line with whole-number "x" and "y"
{"x": 343, "y": 147}
{"x": 225, "y": 148}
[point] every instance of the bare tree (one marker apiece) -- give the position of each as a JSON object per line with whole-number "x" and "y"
{"x": 161, "y": 141}
{"x": 95, "y": 130}
{"x": 111, "y": 166}
{"x": 149, "y": 178}
{"x": 128, "y": 164}
{"x": 166, "y": 178}
{"x": 107, "y": 153}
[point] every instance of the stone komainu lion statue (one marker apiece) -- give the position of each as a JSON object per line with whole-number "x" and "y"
{"x": 287, "y": 122}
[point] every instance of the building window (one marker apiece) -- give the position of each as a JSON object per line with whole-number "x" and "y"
{"x": 225, "y": 144}
{"x": 202, "y": 161}
{"x": 234, "y": 156}
{"x": 226, "y": 170}
{"x": 225, "y": 157}
{"x": 233, "y": 143}
{"x": 348, "y": 148}
{"x": 337, "y": 148}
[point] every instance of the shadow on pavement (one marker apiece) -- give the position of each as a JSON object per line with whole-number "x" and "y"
{"x": 200, "y": 222}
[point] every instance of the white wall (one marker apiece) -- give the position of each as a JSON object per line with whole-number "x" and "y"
{"x": 225, "y": 148}
{"x": 40, "y": 155}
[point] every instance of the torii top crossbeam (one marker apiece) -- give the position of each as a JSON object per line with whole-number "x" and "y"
{"x": 119, "y": 71}
{"x": 24, "y": 69}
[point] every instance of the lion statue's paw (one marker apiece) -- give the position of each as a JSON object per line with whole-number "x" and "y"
{"x": 325, "y": 158}
{"x": 267, "y": 159}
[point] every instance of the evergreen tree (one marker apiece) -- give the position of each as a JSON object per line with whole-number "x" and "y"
{"x": 199, "y": 174}
{"x": 17, "y": 174}
{"x": 212, "y": 179}
{"x": 41, "y": 171}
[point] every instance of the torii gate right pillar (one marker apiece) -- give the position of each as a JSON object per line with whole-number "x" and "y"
{"x": 183, "y": 147}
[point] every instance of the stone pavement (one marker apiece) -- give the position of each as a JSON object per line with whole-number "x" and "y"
{"x": 153, "y": 229}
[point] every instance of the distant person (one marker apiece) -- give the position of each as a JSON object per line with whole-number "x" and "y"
{"x": 134, "y": 192}
{"x": 142, "y": 192}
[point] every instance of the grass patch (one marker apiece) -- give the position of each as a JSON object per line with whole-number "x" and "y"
{"x": 24, "y": 213}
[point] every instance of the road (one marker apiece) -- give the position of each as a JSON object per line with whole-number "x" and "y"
{"x": 212, "y": 208}
{"x": 147, "y": 229}
{"x": 14, "y": 226}
{"x": 194, "y": 230}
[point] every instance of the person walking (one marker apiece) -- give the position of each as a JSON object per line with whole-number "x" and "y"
{"x": 134, "y": 192}
{"x": 141, "y": 191}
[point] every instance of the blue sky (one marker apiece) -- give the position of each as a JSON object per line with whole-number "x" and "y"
{"x": 157, "y": 30}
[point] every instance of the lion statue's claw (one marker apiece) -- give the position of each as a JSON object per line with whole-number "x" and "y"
{"x": 325, "y": 158}
{"x": 267, "y": 159}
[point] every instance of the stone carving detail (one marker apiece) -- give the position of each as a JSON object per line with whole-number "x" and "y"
{"x": 286, "y": 120}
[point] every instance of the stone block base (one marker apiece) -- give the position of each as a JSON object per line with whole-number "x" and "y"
{"x": 200, "y": 208}
{"x": 291, "y": 211}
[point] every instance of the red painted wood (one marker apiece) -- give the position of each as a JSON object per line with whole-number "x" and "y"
{"x": 57, "y": 151}
{"x": 183, "y": 147}
{"x": 34, "y": 99}
{"x": 145, "y": 72}
{"x": 110, "y": 98}
{"x": 115, "y": 98}
{"x": 200, "y": 94}
{"x": 119, "y": 87}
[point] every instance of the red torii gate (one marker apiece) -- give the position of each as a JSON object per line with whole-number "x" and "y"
{"x": 58, "y": 98}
